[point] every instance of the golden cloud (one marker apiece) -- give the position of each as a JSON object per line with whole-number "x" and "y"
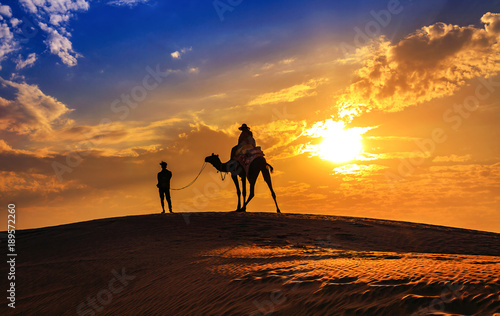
{"x": 34, "y": 182}
{"x": 452, "y": 158}
{"x": 31, "y": 112}
{"x": 39, "y": 153}
{"x": 289, "y": 94}
{"x": 430, "y": 63}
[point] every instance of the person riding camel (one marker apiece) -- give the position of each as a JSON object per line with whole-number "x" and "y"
{"x": 245, "y": 142}
{"x": 246, "y": 136}
{"x": 246, "y": 150}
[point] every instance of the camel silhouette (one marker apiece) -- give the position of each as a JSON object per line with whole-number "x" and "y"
{"x": 234, "y": 167}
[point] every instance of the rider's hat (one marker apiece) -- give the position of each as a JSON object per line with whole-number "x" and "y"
{"x": 244, "y": 127}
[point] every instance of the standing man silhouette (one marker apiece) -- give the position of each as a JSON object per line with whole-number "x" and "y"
{"x": 163, "y": 185}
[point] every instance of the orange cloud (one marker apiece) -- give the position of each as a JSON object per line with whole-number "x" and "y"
{"x": 289, "y": 94}
{"x": 11, "y": 182}
{"x": 433, "y": 62}
{"x": 39, "y": 153}
{"x": 31, "y": 112}
{"x": 452, "y": 158}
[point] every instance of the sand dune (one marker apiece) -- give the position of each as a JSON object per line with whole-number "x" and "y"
{"x": 255, "y": 264}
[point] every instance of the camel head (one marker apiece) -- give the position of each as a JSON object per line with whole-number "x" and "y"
{"x": 213, "y": 159}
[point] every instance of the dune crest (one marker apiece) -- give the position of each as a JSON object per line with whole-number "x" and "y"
{"x": 256, "y": 264}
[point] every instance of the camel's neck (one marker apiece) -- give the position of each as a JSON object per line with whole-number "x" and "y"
{"x": 222, "y": 167}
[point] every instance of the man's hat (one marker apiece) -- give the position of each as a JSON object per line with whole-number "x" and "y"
{"x": 163, "y": 163}
{"x": 244, "y": 127}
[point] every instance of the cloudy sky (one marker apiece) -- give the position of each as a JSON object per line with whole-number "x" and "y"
{"x": 384, "y": 109}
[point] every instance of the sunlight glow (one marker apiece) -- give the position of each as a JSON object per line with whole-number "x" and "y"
{"x": 340, "y": 144}
{"x": 347, "y": 111}
{"x": 363, "y": 170}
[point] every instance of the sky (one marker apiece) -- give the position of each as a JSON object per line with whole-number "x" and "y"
{"x": 379, "y": 109}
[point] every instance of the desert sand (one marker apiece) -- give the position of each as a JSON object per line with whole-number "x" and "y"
{"x": 255, "y": 264}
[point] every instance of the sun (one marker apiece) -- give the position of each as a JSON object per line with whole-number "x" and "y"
{"x": 339, "y": 144}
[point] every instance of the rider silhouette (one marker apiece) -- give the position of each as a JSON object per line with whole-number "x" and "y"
{"x": 244, "y": 141}
{"x": 246, "y": 136}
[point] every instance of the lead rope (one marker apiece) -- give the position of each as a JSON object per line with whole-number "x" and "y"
{"x": 202, "y": 167}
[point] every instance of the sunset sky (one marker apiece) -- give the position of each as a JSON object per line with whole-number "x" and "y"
{"x": 382, "y": 109}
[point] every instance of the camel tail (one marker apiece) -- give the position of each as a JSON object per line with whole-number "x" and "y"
{"x": 270, "y": 167}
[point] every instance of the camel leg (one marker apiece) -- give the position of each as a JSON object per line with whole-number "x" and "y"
{"x": 252, "y": 178}
{"x": 238, "y": 192}
{"x": 244, "y": 186}
{"x": 267, "y": 178}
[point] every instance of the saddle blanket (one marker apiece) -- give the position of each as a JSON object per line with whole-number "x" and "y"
{"x": 247, "y": 154}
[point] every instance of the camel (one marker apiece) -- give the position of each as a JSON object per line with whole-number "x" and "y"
{"x": 234, "y": 167}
